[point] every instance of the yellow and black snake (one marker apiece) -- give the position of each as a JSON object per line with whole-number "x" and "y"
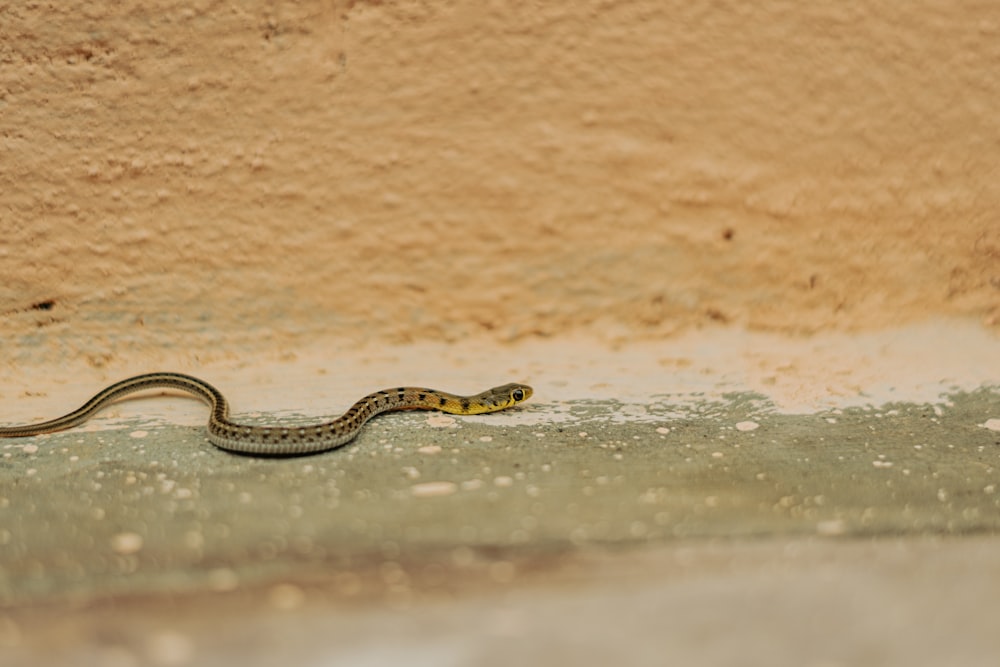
{"x": 282, "y": 440}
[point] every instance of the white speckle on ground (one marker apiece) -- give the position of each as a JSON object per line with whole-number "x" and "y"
{"x": 429, "y": 489}
{"x": 29, "y": 449}
{"x": 747, "y": 426}
{"x": 486, "y": 438}
{"x": 138, "y": 434}
{"x": 831, "y": 527}
{"x": 991, "y": 424}
{"x": 126, "y": 543}
{"x": 503, "y": 480}
{"x": 429, "y": 449}
{"x": 663, "y": 430}
{"x": 442, "y": 421}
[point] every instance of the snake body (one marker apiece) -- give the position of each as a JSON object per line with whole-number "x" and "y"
{"x": 281, "y": 440}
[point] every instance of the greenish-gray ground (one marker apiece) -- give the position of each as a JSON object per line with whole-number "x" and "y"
{"x": 412, "y": 520}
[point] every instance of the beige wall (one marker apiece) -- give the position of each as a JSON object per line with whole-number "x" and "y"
{"x": 215, "y": 175}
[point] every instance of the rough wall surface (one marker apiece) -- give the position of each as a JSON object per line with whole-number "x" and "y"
{"x": 211, "y": 174}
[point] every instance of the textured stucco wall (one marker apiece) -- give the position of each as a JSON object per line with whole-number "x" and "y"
{"x": 220, "y": 175}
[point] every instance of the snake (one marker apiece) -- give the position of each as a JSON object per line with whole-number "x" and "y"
{"x": 283, "y": 440}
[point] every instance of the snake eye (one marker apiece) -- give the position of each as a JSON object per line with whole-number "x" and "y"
{"x": 517, "y": 394}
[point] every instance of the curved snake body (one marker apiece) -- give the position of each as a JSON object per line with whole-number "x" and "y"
{"x": 283, "y": 440}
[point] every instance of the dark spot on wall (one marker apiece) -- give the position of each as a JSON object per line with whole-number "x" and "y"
{"x": 716, "y": 314}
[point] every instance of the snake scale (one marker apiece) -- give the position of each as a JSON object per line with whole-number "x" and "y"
{"x": 283, "y": 440}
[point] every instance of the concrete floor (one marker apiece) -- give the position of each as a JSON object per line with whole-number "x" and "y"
{"x": 723, "y": 533}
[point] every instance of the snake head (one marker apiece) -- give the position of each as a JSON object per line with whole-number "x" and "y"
{"x": 507, "y": 395}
